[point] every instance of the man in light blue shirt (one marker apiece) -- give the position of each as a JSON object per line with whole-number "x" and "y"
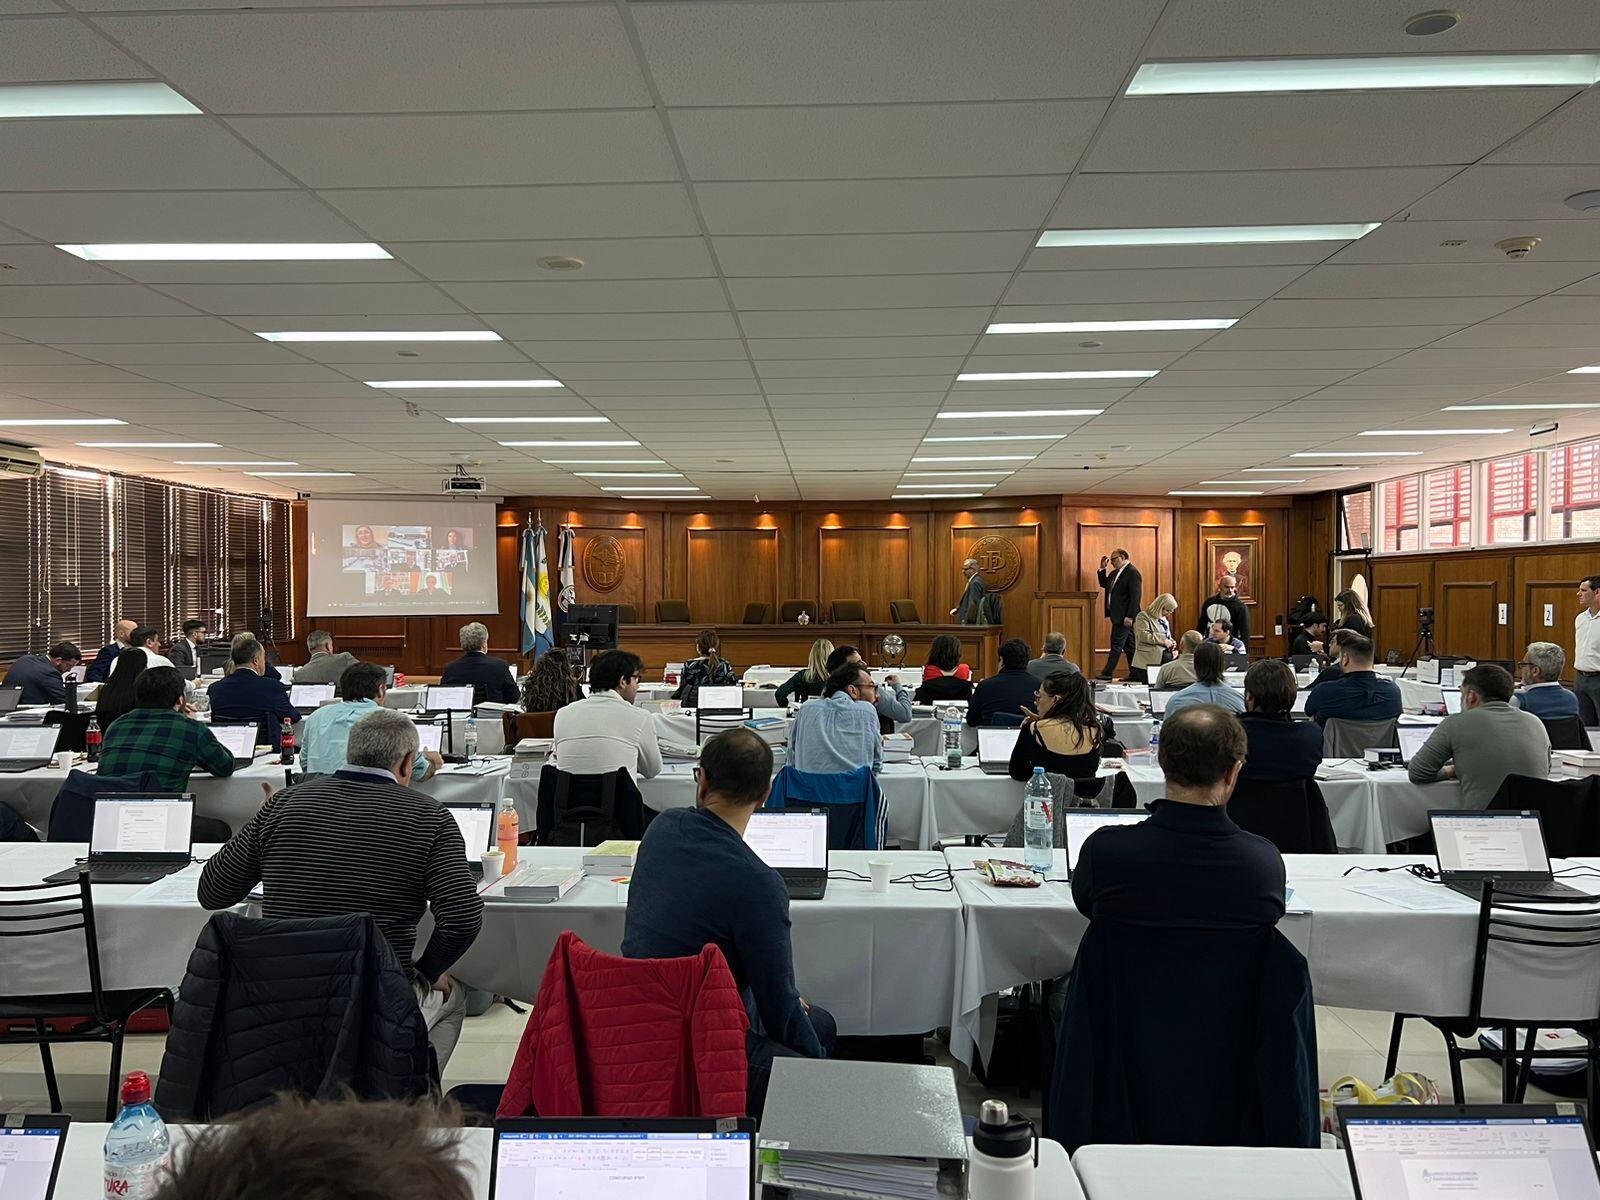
{"x": 325, "y": 733}
{"x": 839, "y": 732}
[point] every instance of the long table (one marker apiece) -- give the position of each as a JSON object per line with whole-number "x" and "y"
{"x": 747, "y": 645}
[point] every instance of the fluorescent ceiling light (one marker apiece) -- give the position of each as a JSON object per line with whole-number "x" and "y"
{"x": 1515, "y": 407}
{"x": 153, "y": 445}
{"x": 1003, "y": 376}
{"x": 938, "y": 496}
{"x": 1001, "y": 437}
{"x": 604, "y": 462}
{"x": 562, "y": 443}
{"x": 652, "y": 487}
{"x": 1365, "y": 74}
{"x": 976, "y": 458}
{"x": 301, "y": 474}
{"x": 408, "y": 385}
{"x": 1197, "y": 492}
{"x": 41, "y": 421}
{"x": 529, "y": 420}
{"x": 1243, "y": 482}
{"x": 1297, "y": 470}
{"x": 1426, "y": 432}
{"x": 973, "y": 475}
{"x": 123, "y": 99}
{"x": 968, "y": 415}
{"x": 1112, "y": 326}
{"x": 640, "y": 497}
{"x": 1584, "y": 371}
{"x": 235, "y": 462}
{"x": 1205, "y": 235}
{"x": 383, "y": 335}
{"x": 1356, "y": 454}
{"x": 226, "y": 251}
{"x": 971, "y": 483}
{"x": 629, "y": 474}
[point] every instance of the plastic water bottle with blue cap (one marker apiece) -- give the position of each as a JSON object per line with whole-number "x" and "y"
{"x": 1038, "y": 831}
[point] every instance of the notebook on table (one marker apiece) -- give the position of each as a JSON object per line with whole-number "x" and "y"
{"x": 1496, "y": 1152}
{"x": 30, "y": 1153}
{"x": 795, "y": 845}
{"x": 138, "y": 837}
{"x": 621, "y": 1158}
{"x": 27, "y": 747}
{"x": 1506, "y": 848}
{"x": 994, "y": 749}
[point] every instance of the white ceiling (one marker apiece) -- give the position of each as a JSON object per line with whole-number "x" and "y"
{"x": 798, "y": 217}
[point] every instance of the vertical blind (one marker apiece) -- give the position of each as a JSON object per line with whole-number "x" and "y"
{"x": 84, "y": 549}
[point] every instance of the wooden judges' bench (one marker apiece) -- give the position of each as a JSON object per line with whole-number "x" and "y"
{"x": 790, "y": 645}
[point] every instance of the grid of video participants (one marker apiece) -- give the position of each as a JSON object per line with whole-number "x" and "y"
{"x": 406, "y": 560}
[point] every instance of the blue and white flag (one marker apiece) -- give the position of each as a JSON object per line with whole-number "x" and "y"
{"x": 536, "y": 633}
{"x": 569, "y": 588}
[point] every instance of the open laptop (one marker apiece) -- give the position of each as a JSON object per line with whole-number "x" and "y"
{"x": 1233, "y": 661}
{"x": 1505, "y": 847}
{"x": 1081, "y": 822}
{"x": 795, "y": 845}
{"x": 720, "y": 700}
{"x": 30, "y": 1153}
{"x": 10, "y": 697}
{"x": 1298, "y": 708}
{"x": 476, "y": 820}
{"x": 240, "y": 741}
{"x": 1412, "y": 739}
{"x": 994, "y": 748}
{"x": 447, "y": 699}
{"x": 623, "y": 1158}
{"x": 308, "y": 697}
{"x": 286, "y": 674}
{"x": 1159, "y": 698}
{"x": 26, "y": 747}
{"x": 138, "y": 837}
{"x": 1508, "y": 1152}
{"x": 430, "y": 736}
{"x": 1452, "y": 701}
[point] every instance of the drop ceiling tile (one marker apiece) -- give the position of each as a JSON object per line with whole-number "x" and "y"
{"x": 586, "y": 372}
{"x": 1302, "y": 313}
{"x": 861, "y": 383}
{"x": 119, "y": 153}
{"x": 621, "y": 327}
{"x": 1552, "y": 310}
{"x": 1508, "y": 192}
{"x": 1335, "y": 338}
{"x": 1178, "y": 285}
{"x": 1129, "y": 258}
{"x": 22, "y": 354}
{"x": 373, "y": 360}
{"x": 889, "y": 322}
{"x": 116, "y": 216}
{"x": 877, "y": 141}
{"x": 467, "y": 149}
{"x": 88, "y": 300}
{"x": 68, "y": 372}
{"x": 427, "y": 214}
{"x": 1271, "y": 360}
{"x": 620, "y": 258}
{"x": 663, "y": 388}
{"x": 1550, "y": 361}
{"x": 790, "y": 349}
{"x": 866, "y": 291}
{"x": 877, "y": 205}
{"x": 845, "y": 367}
{"x": 1567, "y": 137}
{"x": 866, "y": 254}
{"x": 1493, "y": 334}
{"x": 1505, "y": 278}
{"x": 1092, "y": 344}
{"x": 35, "y": 264}
{"x": 576, "y": 296}
{"x": 58, "y": 49}
{"x": 657, "y": 350}
{"x": 354, "y": 299}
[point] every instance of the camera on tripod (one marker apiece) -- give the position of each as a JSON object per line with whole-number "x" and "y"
{"x": 1425, "y": 619}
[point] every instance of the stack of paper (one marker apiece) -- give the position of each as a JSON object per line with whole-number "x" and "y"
{"x": 536, "y": 746}
{"x": 818, "y": 1175}
{"x": 540, "y": 885}
{"x": 1579, "y": 762}
{"x": 897, "y": 748}
{"x": 614, "y": 857}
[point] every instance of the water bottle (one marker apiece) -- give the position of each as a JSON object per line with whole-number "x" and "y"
{"x": 91, "y": 740}
{"x": 138, "y": 1147}
{"x": 472, "y": 736}
{"x": 951, "y": 720}
{"x": 1155, "y": 738}
{"x": 1038, "y": 835}
{"x": 1004, "y": 1154}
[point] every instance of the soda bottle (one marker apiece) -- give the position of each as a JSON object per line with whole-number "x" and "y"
{"x": 138, "y": 1153}
{"x": 1038, "y": 833}
{"x": 505, "y": 833}
{"x": 91, "y": 740}
{"x": 286, "y": 743}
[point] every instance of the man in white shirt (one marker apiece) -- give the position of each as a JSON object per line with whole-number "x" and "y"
{"x": 149, "y": 640}
{"x": 1586, "y": 660}
{"x": 604, "y": 731}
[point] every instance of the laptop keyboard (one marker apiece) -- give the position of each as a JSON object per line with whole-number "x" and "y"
{"x": 103, "y": 870}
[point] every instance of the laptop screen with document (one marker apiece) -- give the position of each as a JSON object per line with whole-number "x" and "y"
{"x": 1490, "y": 844}
{"x": 309, "y": 695}
{"x": 430, "y": 736}
{"x": 994, "y": 744}
{"x": 30, "y": 1154}
{"x": 794, "y": 841}
{"x": 1081, "y": 823}
{"x": 448, "y": 699}
{"x": 720, "y": 699}
{"x": 239, "y": 739}
{"x": 1412, "y": 739}
{"x": 28, "y": 741}
{"x": 623, "y": 1160}
{"x": 142, "y": 824}
{"x": 476, "y": 820}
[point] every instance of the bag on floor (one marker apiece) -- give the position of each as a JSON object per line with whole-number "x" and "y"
{"x": 1406, "y": 1087}
{"x": 1560, "y": 1076}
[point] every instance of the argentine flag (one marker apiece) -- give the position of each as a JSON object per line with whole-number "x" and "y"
{"x": 536, "y": 632}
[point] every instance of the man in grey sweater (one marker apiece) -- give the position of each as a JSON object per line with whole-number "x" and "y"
{"x": 1484, "y": 742}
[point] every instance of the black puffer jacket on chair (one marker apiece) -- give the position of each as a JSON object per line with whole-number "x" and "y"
{"x": 303, "y": 1006}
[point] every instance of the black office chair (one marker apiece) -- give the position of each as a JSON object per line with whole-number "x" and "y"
{"x": 756, "y": 614}
{"x": 44, "y": 1019}
{"x": 1289, "y": 813}
{"x": 1566, "y": 733}
{"x": 585, "y": 810}
{"x": 904, "y": 612}
{"x": 672, "y": 612}
{"x": 849, "y": 610}
{"x": 74, "y": 728}
{"x": 1569, "y": 810}
{"x": 789, "y": 611}
{"x": 627, "y": 614}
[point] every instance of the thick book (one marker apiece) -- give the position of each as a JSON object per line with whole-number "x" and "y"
{"x": 540, "y": 885}
{"x": 609, "y": 858}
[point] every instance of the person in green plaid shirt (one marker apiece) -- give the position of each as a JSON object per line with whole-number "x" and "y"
{"x": 156, "y": 736}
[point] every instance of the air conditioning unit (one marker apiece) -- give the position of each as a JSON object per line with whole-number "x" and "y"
{"x": 19, "y": 460}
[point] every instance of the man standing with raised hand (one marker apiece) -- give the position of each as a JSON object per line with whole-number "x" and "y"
{"x": 1124, "y": 589}
{"x": 970, "y": 610}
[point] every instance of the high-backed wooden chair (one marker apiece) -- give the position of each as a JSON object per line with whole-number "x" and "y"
{"x": 672, "y": 612}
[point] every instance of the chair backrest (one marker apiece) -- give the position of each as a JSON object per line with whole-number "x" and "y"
{"x": 1569, "y": 810}
{"x": 1289, "y": 813}
{"x": 708, "y": 725}
{"x": 13, "y": 828}
{"x": 1566, "y": 733}
{"x": 585, "y": 810}
{"x": 1352, "y": 739}
{"x": 627, "y": 614}
{"x": 904, "y": 612}
{"x": 851, "y": 800}
{"x": 74, "y": 729}
{"x": 756, "y": 614}
{"x": 991, "y": 611}
{"x": 672, "y": 612}
{"x": 40, "y": 928}
{"x": 72, "y": 812}
{"x": 210, "y": 830}
{"x": 849, "y": 610}
{"x": 790, "y": 610}
{"x": 1536, "y": 963}
{"x": 528, "y": 725}
{"x": 1004, "y": 720}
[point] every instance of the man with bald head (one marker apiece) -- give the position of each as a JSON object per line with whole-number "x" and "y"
{"x": 100, "y": 669}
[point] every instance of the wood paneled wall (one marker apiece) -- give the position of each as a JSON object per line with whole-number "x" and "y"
{"x": 719, "y": 559}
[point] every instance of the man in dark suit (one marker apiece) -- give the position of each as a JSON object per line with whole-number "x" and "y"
{"x": 40, "y": 676}
{"x": 490, "y": 677}
{"x": 252, "y": 691}
{"x": 970, "y": 610}
{"x": 1124, "y": 589}
{"x": 100, "y": 669}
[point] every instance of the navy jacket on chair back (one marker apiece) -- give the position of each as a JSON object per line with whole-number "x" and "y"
{"x": 72, "y": 811}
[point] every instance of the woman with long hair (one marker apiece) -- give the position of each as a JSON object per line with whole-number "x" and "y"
{"x": 1351, "y": 613}
{"x": 709, "y": 670}
{"x": 551, "y": 685}
{"x": 945, "y": 677}
{"x": 1207, "y": 687}
{"x": 808, "y": 680}
{"x": 116, "y": 693}
{"x": 1064, "y": 734}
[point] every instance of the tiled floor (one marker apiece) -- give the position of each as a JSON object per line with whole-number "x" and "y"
{"x": 1349, "y": 1042}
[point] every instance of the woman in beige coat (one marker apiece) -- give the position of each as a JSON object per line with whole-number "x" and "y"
{"x": 1152, "y": 636}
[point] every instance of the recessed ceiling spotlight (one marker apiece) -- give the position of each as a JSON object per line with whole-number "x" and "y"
{"x": 1584, "y": 201}
{"x": 1426, "y": 24}
{"x": 561, "y": 262}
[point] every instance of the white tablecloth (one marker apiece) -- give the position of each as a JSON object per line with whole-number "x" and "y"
{"x": 1211, "y": 1173}
{"x": 881, "y": 963}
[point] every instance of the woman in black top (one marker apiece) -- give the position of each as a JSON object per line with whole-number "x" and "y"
{"x": 1352, "y": 614}
{"x": 808, "y": 680}
{"x": 1065, "y": 735}
{"x": 709, "y": 670}
{"x": 116, "y": 693}
{"x": 945, "y": 677}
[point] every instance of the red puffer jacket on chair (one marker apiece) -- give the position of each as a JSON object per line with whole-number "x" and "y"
{"x": 625, "y": 1037}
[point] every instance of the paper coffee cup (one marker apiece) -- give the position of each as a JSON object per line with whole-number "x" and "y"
{"x": 880, "y": 869}
{"x": 494, "y": 862}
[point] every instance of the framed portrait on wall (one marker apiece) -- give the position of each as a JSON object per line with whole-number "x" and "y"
{"x": 1234, "y": 556}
